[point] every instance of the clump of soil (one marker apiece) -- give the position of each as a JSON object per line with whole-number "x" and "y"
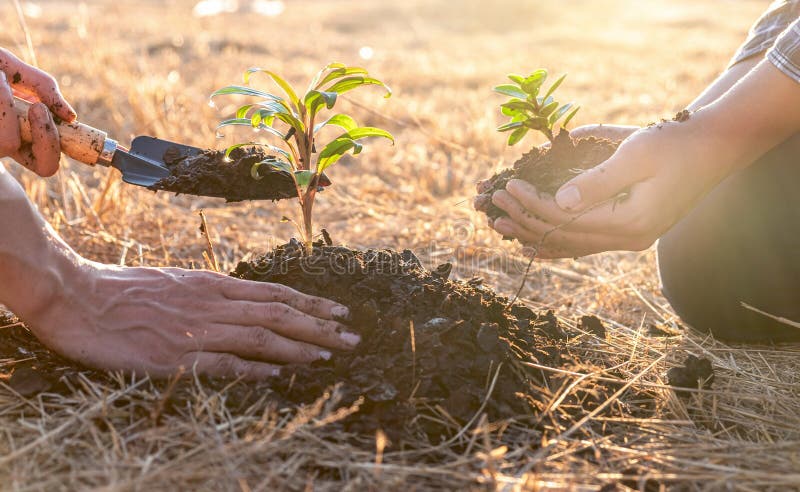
{"x": 548, "y": 168}
{"x": 39, "y": 369}
{"x": 211, "y": 174}
{"x": 696, "y": 372}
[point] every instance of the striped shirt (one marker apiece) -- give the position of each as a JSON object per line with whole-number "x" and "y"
{"x": 776, "y": 32}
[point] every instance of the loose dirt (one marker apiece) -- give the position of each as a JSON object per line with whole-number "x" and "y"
{"x": 548, "y": 168}
{"x": 211, "y": 174}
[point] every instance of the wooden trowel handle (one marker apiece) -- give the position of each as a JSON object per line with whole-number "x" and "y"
{"x": 81, "y": 142}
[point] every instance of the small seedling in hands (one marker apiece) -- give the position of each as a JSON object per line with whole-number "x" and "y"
{"x": 293, "y": 121}
{"x": 530, "y": 111}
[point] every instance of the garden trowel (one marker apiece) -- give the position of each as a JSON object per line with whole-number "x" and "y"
{"x": 141, "y": 165}
{"x": 92, "y": 146}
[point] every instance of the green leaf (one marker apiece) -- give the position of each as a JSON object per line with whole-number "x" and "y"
{"x": 276, "y": 164}
{"x": 244, "y": 91}
{"x": 248, "y": 122}
{"x": 544, "y": 101}
{"x": 234, "y": 147}
{"x": 235, "y": 122}
{"x": 315, "y": 99}
{"x": 510, "y": 90}
{"x": 509, "y": 126}
{"x": 268, "y": 116}
{"x": 243, "y": 110}
{"x": 331, "y": 66}
{"x": 303, "y": 178}
{"x": 339, "y": 73}
{"x": 533, "y": 82}
{"x": 350, "y": 83}
{"x": 287, "y": 88}
{"x": 555, "y": 85}
{"x": 508, "y": 111}
{"x": 368, "y": 131}
{"x": 335, "y": 150}
{"x": 346, "y": 142}
{"x": 559, "y": 113}
{"x": 343, "y": 121}
{"x": 538, "y": 123}
{"x": 546, "y": 110}
{"x": 519, "y": 79}
{"x": 519, "y": 105}
{"x": 569, "y": 118}
{"x": 517, "y": 135}
{"x": 276, "y": 106}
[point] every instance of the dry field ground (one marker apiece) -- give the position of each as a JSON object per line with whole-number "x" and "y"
{"x": 147, "y": 67}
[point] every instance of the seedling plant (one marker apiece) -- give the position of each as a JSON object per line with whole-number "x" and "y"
{"x": 293, "y": 121}
{"x": 530, "y": 111}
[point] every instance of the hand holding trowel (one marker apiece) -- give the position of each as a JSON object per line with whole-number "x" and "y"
{"x": 162, "y": 165}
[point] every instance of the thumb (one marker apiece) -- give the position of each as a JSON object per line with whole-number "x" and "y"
{"x": 601, "y": 183}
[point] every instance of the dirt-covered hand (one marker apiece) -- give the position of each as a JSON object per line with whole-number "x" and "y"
{"x": 625, "y": 203}
{"x": 154, "y": 321}
{"x": 17, "y": 78}
{"x": 657, "y": 175}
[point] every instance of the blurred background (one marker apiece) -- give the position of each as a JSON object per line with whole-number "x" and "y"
{"x": 147, "y": 67}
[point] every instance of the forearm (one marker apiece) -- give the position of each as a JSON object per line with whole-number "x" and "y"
{"x": 756, "y": 114}
{"x": 34, "y": 261}
{"x": 723, "y": 83}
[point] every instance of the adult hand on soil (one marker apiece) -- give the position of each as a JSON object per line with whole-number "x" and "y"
{"x": 656, "y": 176}
{"x": 155, "y": 321}
{"x": 17, "y": 78}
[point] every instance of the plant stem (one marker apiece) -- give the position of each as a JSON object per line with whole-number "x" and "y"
{"x": 308, "y": 208}
{"x": 309, "y": 232}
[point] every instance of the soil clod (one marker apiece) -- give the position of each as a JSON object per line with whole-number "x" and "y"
{"x": 211, "y": 174}
{"x": 696, "y": 372}
{"x": 593, "y": 325}
{"x": 548, "y": 168}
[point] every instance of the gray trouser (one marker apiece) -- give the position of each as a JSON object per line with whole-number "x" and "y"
{"x": 740, "y": 244}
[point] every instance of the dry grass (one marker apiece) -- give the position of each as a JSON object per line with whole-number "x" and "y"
{"x": 146, "y": 68}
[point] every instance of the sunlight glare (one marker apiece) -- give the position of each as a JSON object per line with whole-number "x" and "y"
{"x": 32, "y": 10}
{"x": 268, "y": 8}
{"x": 210, "y": 8}
{"x": 366, "y": 52}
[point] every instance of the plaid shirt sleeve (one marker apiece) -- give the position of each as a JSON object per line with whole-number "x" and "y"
{"x": 785, "y": 53}
{"x": 776, "y": 20}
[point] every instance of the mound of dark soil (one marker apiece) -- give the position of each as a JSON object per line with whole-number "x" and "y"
{"x": 428, "y": 343}
{"x": 548, "y": 168}
{"x": 436, "y": 353}
{"x": 211, "y": 174}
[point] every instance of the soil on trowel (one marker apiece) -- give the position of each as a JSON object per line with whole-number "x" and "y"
{"x": 548, "y": 168}
{"x": 211, "y": 174}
